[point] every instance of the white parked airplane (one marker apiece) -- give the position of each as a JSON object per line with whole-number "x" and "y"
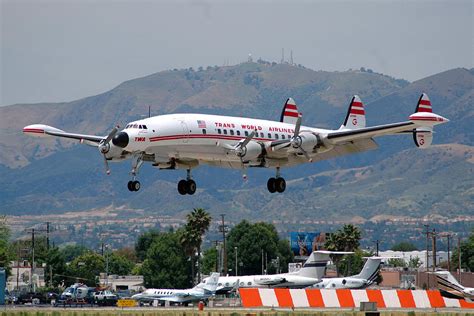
{"x": 184, "y": 141}
{"x": 312, "y": 272}
{"x": 197, "y": 293}
{"x": 364, "y": 279}
{"x": 450, "y": 287}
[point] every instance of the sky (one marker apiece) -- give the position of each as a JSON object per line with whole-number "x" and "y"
{"x": 56, "y": 51}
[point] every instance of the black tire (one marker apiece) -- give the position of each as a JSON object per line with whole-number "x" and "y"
{"x": 280, "y": 185}
{"x": 136, "y": 185}
{"x": 182, "y": 185}
{"x": 129, "y": 186}
{"x": 190, "y": 187}
{"x": 271, "y": 185}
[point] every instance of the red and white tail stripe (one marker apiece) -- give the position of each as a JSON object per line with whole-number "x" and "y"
{"x": 424, "y": 104}
{"x": 290, "y": 112}
{"x": 355, "y": 117}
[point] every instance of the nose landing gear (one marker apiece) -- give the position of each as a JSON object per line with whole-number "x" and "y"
{"x": 187, "y": 186}
{"x": 277, "y": 184}
{"x": 134, "y": 185}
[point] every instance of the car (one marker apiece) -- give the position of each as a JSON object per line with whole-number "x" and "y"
{"x": 105, "y": 297}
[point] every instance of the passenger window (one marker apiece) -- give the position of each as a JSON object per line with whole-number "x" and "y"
{"x": 225, "y": 132}
{"x": 204, "y": 131}
{"x": 282, "y": 136}
{"x": 246, "y": 133}
{"x": 238, "y": 133}
{"x": 249, "y": 283}
{"x": 242, "y": 283}
{"x": 231, "y": 132}
{"x": 289, "y": 137}
{"x": 219, "y": 131}
{"x": 269, "y": 135}
{"x": 261, "y": 135}
{"x": 276, "y": 136}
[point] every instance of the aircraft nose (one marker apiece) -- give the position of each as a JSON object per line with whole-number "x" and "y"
{"x": 120, "y": 140}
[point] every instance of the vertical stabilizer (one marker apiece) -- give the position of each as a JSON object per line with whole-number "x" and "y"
{"x": 370, "y": 269}
{"x": 211, "y": 283}
{"x": 355, "y": 117}
{"x": 290, "y": 113}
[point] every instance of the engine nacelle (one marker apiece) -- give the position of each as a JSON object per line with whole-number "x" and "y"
{"x": 268, "y": 280}
{"x": 423, "y": 137}
{"x": 251, "y": 151}
{"x": 112, "y": 152}
{"x": 308, "y": 141}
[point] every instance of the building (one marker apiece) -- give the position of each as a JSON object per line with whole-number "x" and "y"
{"x": 122, "y": 282}
{"x": 421, "y": 255}
{"x": 21, "y": 277}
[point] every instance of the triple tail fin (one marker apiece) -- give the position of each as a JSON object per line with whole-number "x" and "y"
{"x": 424, "y": 104}
{"x": 355, "y": 117}
{"x": 290, "y": 113}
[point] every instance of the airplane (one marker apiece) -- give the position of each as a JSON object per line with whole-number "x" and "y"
{"x": 451, "y": 288}
{"x": 312, "y": 272}
{"x": 198, "y": 293}
{"x": 185, "y": 141}
{"x": 364, "y": 279}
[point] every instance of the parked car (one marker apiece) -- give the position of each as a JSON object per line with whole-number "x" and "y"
{"x": 31, "y": 298}
{"x": 105, "y": 298}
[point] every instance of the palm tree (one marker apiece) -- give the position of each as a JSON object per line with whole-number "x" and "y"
{"x": 345, "y": 239}
{"x": 198, "y": 222}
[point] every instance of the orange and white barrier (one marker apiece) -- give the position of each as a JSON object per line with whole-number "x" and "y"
{"x": 253, "y": 297}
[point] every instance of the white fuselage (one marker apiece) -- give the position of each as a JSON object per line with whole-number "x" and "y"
{"x": 203, "y": 137}
{"x": 172, "y": 295}
{"x": 342, "y": 283}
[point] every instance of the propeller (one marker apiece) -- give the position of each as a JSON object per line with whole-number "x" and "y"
{"x": 296, "y": 140}
{"x": 241, "y": 149}
{"x": 104, "y": 147}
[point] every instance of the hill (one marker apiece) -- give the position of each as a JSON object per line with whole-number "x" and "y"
{"x": 56, "y": 176}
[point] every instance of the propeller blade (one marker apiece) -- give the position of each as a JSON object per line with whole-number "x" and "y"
{"x": 247, "y": 139}
{"x": 111, "y": 135}
{"x": 106, "y": 163}
{"x": 297, "y": 126}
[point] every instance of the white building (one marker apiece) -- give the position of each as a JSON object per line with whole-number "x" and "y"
{"x": 21, "y": 277}
{"x": 122, "y": 282}
{"x": 407, "y": 255}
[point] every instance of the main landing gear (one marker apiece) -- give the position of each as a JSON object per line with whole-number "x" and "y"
{"x": 277, "y": 184}
{"x": 187, "y": 186}
{"x": 134, "y": 185}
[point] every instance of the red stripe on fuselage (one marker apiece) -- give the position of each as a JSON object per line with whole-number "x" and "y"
{"x": 195, "y": 136}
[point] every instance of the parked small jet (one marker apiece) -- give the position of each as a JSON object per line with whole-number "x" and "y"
{"x": 197, "y": 293}
{"x": 364, "y": 279}
{"x": 450, "y": 287}
{"x": 184, "y": 141}
{"x": 312, "y": 272}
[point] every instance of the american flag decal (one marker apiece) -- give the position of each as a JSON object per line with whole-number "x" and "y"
{"x": 201, "y": 124}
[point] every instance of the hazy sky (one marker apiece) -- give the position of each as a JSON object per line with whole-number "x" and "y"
{"x": 65, "y": 50}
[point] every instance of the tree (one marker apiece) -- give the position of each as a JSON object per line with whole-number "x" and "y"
{"x": 352, "y": 264}
{"x": 251, "y": 240}
{"x": 345, "y": 239}
{"x": 414, "y": 262}
{"x": 467, "y": 254}
{"x": 209, "y": 260}
{"x": 86, "y": 268}
{"x": 56, "y": 267}
{"x": 198, "y": 222}
{"x": 119, "y": 264}
{"x": 404, "y": 246}
{"x": 397, "y": 262}
{"x": 5, "y": 251}
{"x": 166, "y": 264}
{"x": 144, "y": 242}
{"x": 71, "y": 252}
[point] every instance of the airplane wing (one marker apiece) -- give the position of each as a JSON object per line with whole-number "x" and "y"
{"x": 46, "y": 130}
{"x": 344, "y": 136}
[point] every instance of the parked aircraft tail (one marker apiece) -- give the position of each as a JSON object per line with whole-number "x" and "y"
{"x": 370, "y": 269}
{"x": 315, "y": 265}
{"x": 355, "y": 117}
{"x": 290, "y": 113}
{"x": 211, "y": 283}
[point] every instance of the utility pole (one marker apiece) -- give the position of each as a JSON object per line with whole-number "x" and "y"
{"x": 427, "y": 232}
{"x": 223, "y": 229}
{"x": 263, "y": 269}
{"x": 459, "y": 258}
{"x": 448, "y": 236}
{"x": 434, "y": 249}
{"x": 217, "y": 255}
{"x": 377, "y": 247}
{"x": 236, "y": 261}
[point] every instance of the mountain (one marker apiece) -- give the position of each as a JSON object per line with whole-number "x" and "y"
{"x": 41, "y": 177}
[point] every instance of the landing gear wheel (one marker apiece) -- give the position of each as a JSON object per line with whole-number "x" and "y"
{"x": 280, "y": 185}
{"x": 271, "y": 185}
{"x": 182, "y": 185}
{"x": 129, "y": 186}
{"x": 190, "y": 187}
{"x": 135, "y": 186}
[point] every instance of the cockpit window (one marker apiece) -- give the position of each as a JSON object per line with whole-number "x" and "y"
{"x": 140, "y": 127}
{"x": 144, "y": 127}
{"x": 135, "y": 126}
